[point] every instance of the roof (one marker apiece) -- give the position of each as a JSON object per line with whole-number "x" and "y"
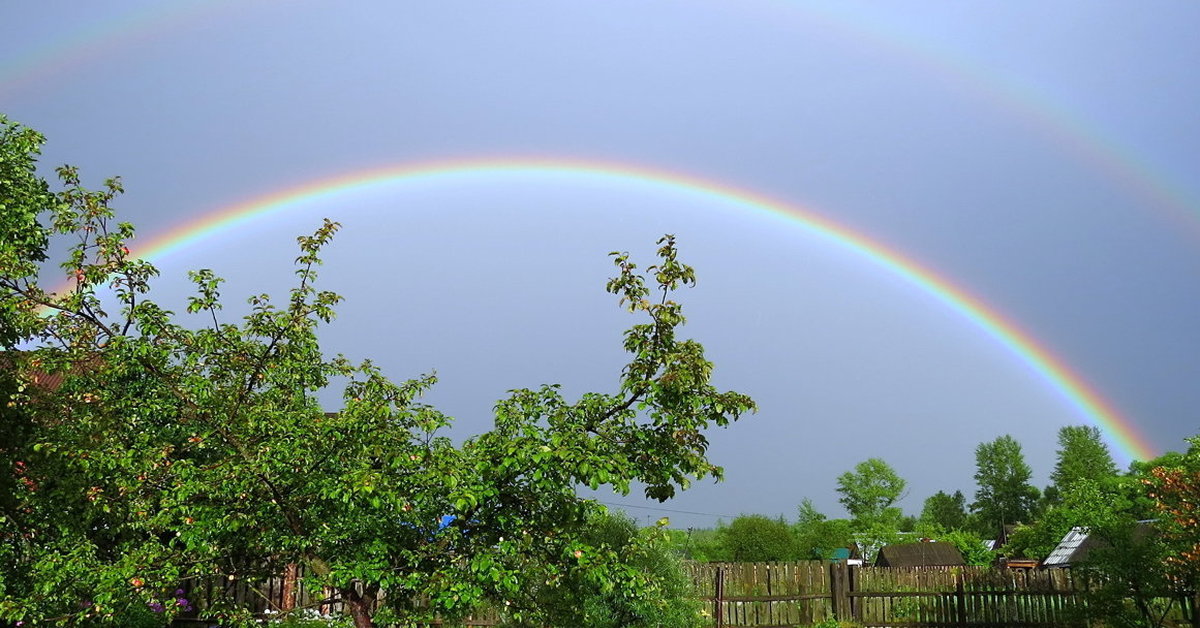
{"x": 1075, "y": 545}
{"x": 1064, "y": 553}
{"x": 932, "y": 554}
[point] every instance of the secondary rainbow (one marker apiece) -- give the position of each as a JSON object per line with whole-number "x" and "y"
{"x": 1121, "y": 434}
{"x": 1069, "y": 130}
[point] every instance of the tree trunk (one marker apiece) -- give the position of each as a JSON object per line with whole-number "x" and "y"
{"x": 290, "y": 574}
{"x": 361, "y": 607}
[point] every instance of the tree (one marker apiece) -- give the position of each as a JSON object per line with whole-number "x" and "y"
{"x": 869, "y": 491}
{"x": 170, "y": 452}
{"x": 1175, "y": 491}
{"x": 818, "y": 536}
{"x": 945, "y": 512}
{"x": 579, "y": 600}
{"x": 1004, "y": 494}
{"x": 1082, "y": 455}
{"x": 971, "y": 546}
{"x": 757, "y": 538}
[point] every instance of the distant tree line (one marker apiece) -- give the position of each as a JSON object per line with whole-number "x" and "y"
{"x": 1145, "y": 521}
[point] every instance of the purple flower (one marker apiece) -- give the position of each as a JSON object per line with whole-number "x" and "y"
{"x": 155, "y": 606}
{"x": 182, "y": 602}
{"x": 178, "y": 592}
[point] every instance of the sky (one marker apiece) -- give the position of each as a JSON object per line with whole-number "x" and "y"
{"x": 917, "y": 226}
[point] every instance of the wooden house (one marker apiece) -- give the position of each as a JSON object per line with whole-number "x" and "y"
{"x": 925, "y": 554}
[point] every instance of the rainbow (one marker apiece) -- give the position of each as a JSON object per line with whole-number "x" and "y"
{"x": 1121, "y": 434}
{"x": 72, "y": 48}
{"x": 1069, "y": 130}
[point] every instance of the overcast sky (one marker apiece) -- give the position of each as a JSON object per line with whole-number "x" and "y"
{"x": 1044, "y": 158}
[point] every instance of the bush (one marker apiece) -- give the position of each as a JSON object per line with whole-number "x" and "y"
{"x": 655, "y": 567}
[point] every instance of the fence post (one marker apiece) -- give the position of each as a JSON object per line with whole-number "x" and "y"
{"x": 852, "y": 586}
{"x": 960, "y": 598}
{"x": 719, "y": 602}
{"x": 837, "y": 592}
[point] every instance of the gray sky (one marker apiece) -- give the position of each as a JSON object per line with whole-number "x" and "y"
{"x": 1042, "y": 157}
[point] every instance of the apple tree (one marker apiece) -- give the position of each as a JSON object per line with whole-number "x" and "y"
{"x": 147, "y": 451}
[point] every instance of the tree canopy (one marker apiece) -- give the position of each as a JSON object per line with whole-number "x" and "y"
{"x": 1082, "y": 455}
{"x": 945, "y": 512}
{"x": 869, "y": 492}
{"x": 165, "y": 452}
{"x": 1003, "y": 494}
{"x": 757, "y": 538}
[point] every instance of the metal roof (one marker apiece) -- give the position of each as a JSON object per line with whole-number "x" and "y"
{"x": 1063, "y": 553}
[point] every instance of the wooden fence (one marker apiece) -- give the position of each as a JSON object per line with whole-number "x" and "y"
{"x": 282, "y": 592}
{"x": 796, "y": 594}
{"x": 787, "y": 595}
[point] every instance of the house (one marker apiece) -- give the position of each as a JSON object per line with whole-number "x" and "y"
{"x": 1076, "y": 544}
{"x": 926, "y": 554}
{"x": 842, "y": 555}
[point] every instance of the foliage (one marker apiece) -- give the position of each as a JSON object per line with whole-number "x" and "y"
{"x": 817, "y": 536}
{"x": 170, "y": 451}
{"x": 1125, "y": 565}
{"x": 869, "y": 491}
{"x": 578, "y": 600}
{"x": 944, "y": 512}
{"x": 703, "y": 545}
{"x": 971, "y": 546}
{"x": 1176, "y": 493}
{"x": 757, "y": 538}
{"x": 1127, "y": 585}
{"x": 834, "y": 623}
{"x": 1147, "y": 524}
{"x": 307, "y": 619}
{"x": 1082, "y": 455}
{"x": 1003, "y": 493}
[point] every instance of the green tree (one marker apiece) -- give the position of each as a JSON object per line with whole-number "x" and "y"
{"x": 1003, "y": 494}
{"x": 944, "y": 512}
{"x": 1175, "y": 491}
{"x": 818, "y": 536}
{"x": 578, "y": 600}
{"x": 970, "y": 545}
{"x": 757, "y": 538}
{"x": 704, "y": 545}
{"x": 869, "y": 492}
{"x": 1126, "y": 570}
{"x": 169, "y": 452}
{"x": 1082, "y": 455}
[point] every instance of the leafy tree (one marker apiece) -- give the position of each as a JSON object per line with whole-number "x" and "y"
{"x": 945, "y": 512}
{"x": 704, "y": 545}
{"x": 578, "y": 600}
{"x": 869, "y": 491}
{"x": 757, "y": 538}
{"x": 1004, "y": 494}
{"x": 1127, "y": 584}
{"x": 1175, "y": 490}
{"x": 1128, "y": 575}
{"x": 1082, "y": 455}
{"x": 971, "y": 546}
{"x": 1090, "y": 503}
{"x": 169, "y": 452}
{"x": 818, "y": 536}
